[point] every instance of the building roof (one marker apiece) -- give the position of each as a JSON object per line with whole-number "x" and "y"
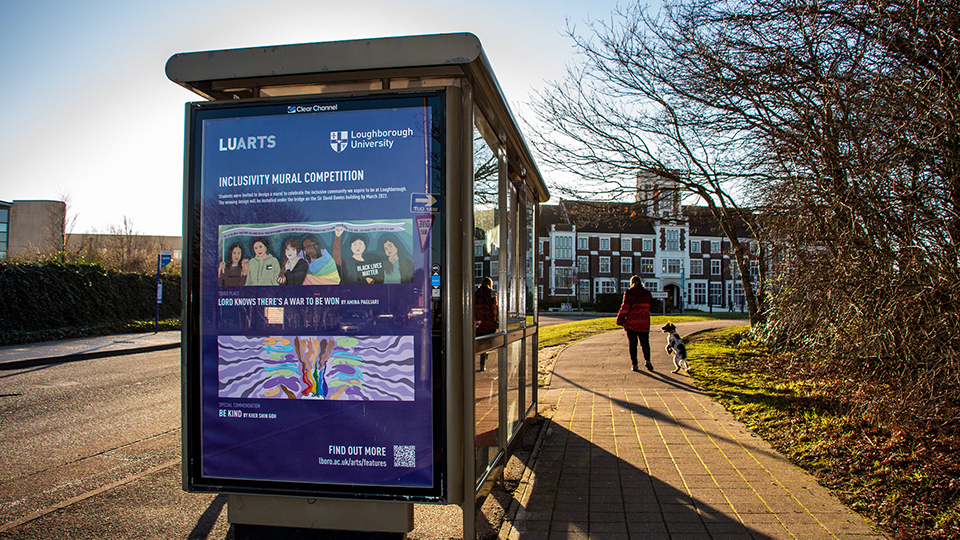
{"x": 702, "y": 223}
{"x": 591, "y": 216}
{"x": 549, "y": 215}
{"x": 629, "y": 218}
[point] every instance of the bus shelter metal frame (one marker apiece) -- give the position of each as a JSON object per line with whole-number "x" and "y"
{"x": 457, "y": 64}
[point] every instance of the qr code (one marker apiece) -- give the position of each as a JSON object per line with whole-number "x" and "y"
{"x": 404, "y": 456}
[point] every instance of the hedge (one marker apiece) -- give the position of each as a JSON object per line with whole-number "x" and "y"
{"x": 39, "y": 298}
{"x": 607, "y": 302}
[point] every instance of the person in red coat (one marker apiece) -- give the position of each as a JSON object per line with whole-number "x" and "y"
{"x": 634, "y": 317}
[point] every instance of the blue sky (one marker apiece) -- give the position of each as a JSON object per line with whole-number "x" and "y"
{"x": 88, "y": 112}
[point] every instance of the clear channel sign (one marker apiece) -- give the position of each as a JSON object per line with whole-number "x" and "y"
{"x": 313, "y": 361}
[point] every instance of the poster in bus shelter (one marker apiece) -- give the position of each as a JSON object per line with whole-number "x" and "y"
{"x": 318, "y": 237}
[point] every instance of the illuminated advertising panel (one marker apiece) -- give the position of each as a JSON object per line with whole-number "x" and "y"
{"x": 313, "y": 360}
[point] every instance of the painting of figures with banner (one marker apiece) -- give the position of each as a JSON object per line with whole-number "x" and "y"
{"x": 358, "y": 252}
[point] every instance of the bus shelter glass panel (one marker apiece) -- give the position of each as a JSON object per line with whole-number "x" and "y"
{"x": 530, "y": 366}
{"x": 487, "y": 397}
{"x": 515, "y": 365}
{"x": 530, "y": 258}
{"x": 515, "y": 313}
{"x": 315, "y": 364}
{"x": 486, "y": 212}
{"x": 486, "y": 270}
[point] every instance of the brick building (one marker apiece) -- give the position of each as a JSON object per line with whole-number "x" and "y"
{"x": 590, "y": 248}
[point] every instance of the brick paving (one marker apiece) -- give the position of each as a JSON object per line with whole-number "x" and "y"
{"x": 647, "y": 456}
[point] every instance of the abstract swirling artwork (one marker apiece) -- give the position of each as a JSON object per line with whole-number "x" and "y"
{"x": 314, "y": 367}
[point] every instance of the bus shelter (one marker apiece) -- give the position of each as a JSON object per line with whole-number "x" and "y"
{"x": 343, "y": 201}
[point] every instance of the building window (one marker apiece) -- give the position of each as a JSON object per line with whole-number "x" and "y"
{"x": 583, "y": 243}
{"x": 606, "y": 286}
{"x": 738, "y": 298}
{"x": 626, "y": 244}
{"x": 646, "y": 266}
{"x": 714, "y": 246}
{"x": 540, "y": 248}
{"x": 494, "y": 268}
{"x": 624, "y": 284}
{"x": 700, "y": 293}
{"x": 695, "y": 246}
{"x": 696, "y": 267}
{"x": 734, "y": 269}
{"x": 583, "y": 265}
{"x": 4, "y": 222}
{"x": 755, "y": 269}
{"x": 672, "y": 266}
{"x": 648, "y": 244}
{"x": 540, "y": 268}
{"x": 478, "y": 249}
{"x": 604, "y": 265}
{"x": 563, "y": 277}
{"x": 716, "y": 294}
{"x": 626, "y": 265}
{"x": 584, "y": 287}
{"x": 673, "y": 240}
{"x": 563, "y": 247}
{"x": 540, "y": 292}
{"x": 715, "y": 268}
{"x": 604, "y": 244}
{"x": 478, "y": 269}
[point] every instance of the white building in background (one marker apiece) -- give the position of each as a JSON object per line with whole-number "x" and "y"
{"x": 30, "y": 229}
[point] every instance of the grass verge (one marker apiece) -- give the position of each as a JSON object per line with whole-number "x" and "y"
{"x": 566, "y": 333}
{"x": 907, "y": 481}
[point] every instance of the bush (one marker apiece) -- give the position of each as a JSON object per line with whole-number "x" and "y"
{"x": 39, "y": 298}
{"x": 608, "y": 302}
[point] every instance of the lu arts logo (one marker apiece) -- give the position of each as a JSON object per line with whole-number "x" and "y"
{"x": 339, "y": 141}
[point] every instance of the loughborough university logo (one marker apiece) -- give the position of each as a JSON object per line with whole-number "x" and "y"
{"x": 339, "y": 141}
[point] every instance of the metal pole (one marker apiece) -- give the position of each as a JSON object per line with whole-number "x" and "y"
{"x": 156, "y": 317}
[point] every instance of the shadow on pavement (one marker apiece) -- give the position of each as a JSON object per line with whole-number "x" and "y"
{"x": 583, "y": 490}
{"x": 209, "y": 518}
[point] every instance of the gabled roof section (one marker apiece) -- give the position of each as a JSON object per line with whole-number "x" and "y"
{"x": 549, "y": 215}
{"x": 703, "y": 223}
{"x": 629, "y": 218}
{"x": 610, "y": 217}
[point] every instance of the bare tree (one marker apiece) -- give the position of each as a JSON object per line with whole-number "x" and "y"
{"x": 838, "y": 119}
{"x": 127, "y": 249}
{"x": 62, "y": 226}
{"x": 626, "y": 109}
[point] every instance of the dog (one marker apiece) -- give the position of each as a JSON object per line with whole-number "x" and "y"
{"x": 675, "y": 346}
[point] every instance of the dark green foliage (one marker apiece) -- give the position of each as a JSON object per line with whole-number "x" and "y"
{"x": 53, "y": 300}
{"x": 608, "y": 303}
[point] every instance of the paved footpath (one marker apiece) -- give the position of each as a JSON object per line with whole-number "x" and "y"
{"x": 648, "y": 456}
